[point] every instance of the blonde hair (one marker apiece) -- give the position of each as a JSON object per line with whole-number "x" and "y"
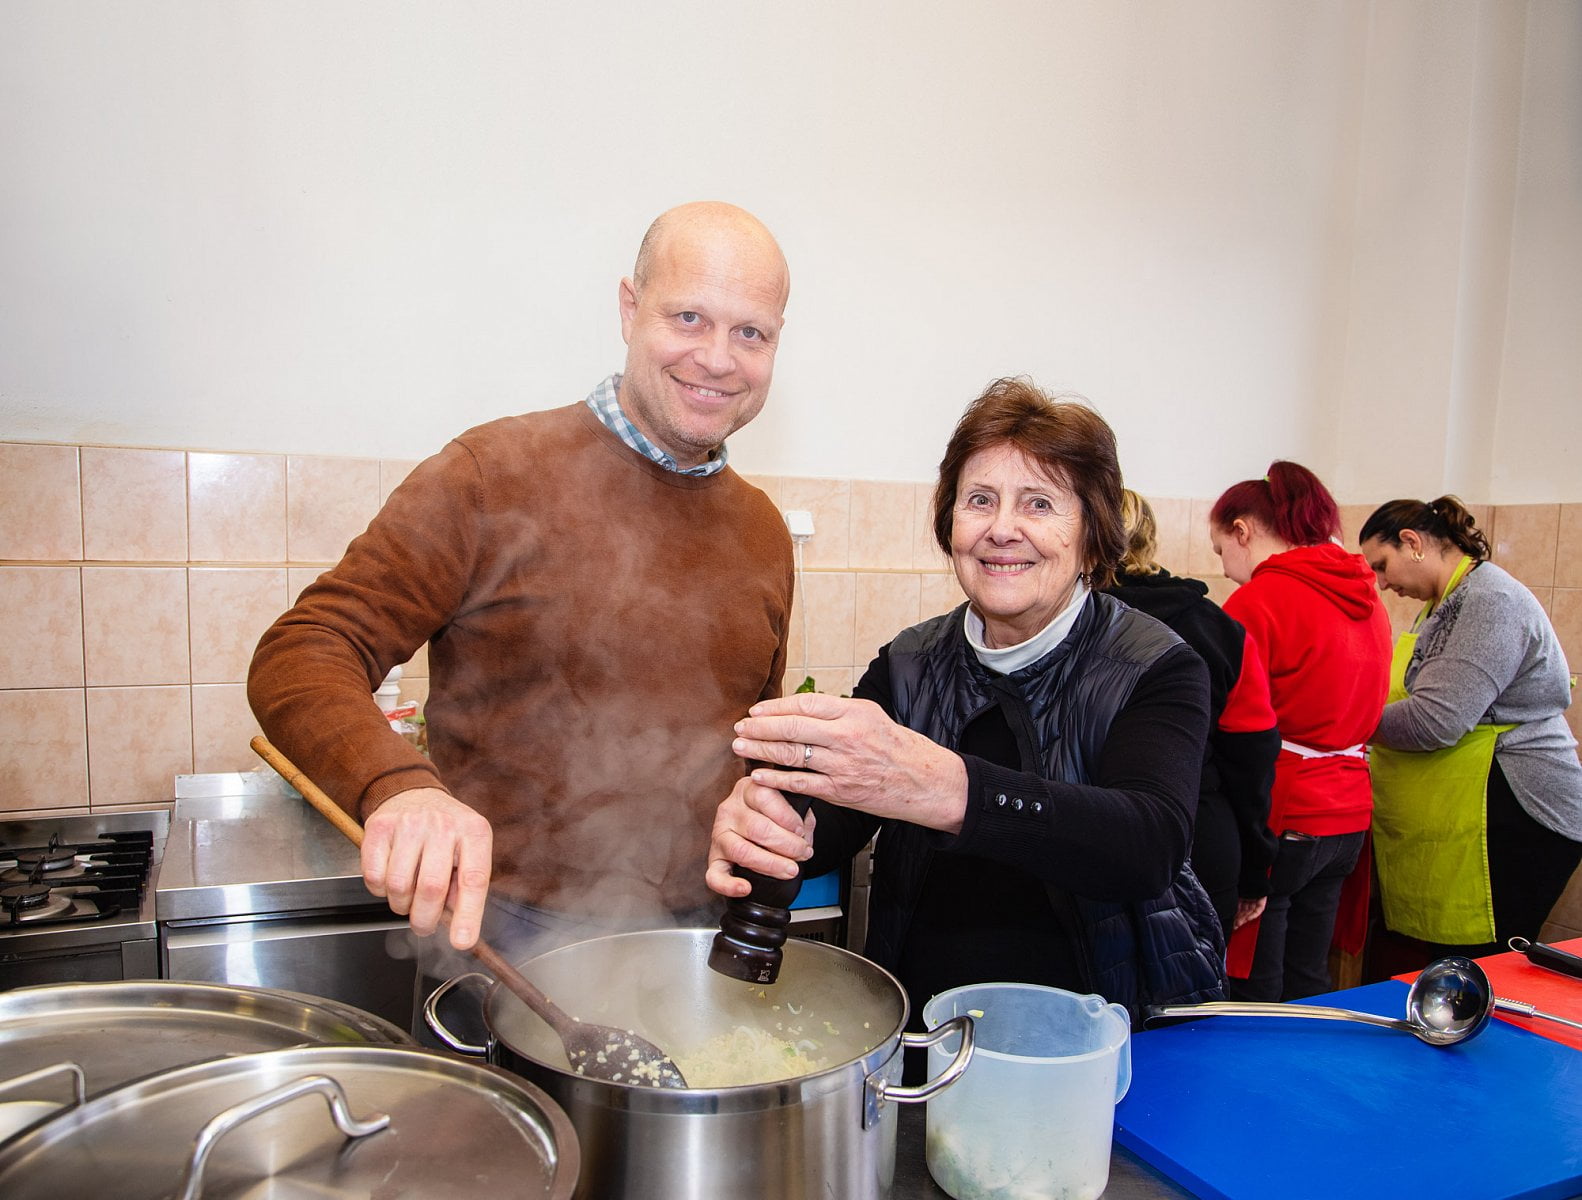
{"x": 1142, "y": 535}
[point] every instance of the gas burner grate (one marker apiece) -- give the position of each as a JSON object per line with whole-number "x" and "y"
{"x": 32, "y": 902}
{"x": 65, "y": 881}
{"x": 53, "y": 857}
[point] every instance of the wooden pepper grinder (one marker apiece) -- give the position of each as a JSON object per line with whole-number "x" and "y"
{"x": 753, "y": 928}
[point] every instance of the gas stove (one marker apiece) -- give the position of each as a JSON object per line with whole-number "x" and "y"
{"x": 77, "y": 897}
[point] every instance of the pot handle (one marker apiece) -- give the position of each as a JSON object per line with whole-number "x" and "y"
{"x": 431, "y": 1016}
{"x": 238, "y": 1114}
{"x": 878, "y": 1090}
{"x": 79, "y": 1085}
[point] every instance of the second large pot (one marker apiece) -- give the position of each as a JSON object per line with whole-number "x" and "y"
{"x": 827, "y": 1133}
{"x": 108, "y": 1033}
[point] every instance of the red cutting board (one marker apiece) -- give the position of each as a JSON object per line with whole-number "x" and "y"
{"x": 1252, "y": 1108}
{"x": 1515, "y": 978}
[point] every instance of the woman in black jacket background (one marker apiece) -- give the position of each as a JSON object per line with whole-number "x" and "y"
{"x": 1231, "y": 843}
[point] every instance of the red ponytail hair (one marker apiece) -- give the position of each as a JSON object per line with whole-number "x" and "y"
{"x": 1290, "y": 502}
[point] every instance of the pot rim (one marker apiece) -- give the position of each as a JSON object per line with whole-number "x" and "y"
{"x": 747, "y": 1097}
{"x": 262, "y": 1004}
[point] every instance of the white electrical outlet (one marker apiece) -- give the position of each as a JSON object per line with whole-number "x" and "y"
{"x": 800, "y": 522}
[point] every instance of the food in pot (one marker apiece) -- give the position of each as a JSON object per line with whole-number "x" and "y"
{"x": 745, "y": 1055}
{"x": 622, "y": 1059}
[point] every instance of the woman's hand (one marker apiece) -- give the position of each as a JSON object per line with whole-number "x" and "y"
{"x": 850, "y": 753}
{"x": 756, "y": 828}
{"x": 1248, "y": 910}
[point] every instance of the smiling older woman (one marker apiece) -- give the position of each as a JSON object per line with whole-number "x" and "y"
{"x": 1030, "y": 760}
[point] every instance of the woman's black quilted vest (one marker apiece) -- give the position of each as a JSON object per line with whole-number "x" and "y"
{"x": 1165, "y": 950}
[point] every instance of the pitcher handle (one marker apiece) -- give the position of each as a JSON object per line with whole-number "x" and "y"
{"x": 1123, "y": 1063}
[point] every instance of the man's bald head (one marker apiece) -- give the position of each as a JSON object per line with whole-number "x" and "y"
{"x": 704, "y": 220}
{"x": 701, "y": 315}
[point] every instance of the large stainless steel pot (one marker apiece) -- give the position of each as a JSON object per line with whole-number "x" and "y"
{"x": 114, "y": 1032}
{"x": 826, "y": 1134}
{"x": 363, "y": 1122}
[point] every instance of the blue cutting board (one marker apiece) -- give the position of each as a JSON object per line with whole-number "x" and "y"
{"x": 1253, "y": 1108}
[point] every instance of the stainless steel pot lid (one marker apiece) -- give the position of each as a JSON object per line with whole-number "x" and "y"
{"x": 358, "y": 1024}
{"x": 124, "y": 1030}
{"x": 455, "y": 1130}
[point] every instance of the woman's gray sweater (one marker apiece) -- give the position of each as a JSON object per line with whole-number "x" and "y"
{"x": 1488, "y": 655}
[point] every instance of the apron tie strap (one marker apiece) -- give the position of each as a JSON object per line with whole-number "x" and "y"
{"x": 1357, "y": 751}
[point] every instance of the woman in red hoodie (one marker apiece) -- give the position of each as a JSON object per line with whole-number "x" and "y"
{"x": 1314, "y": 612}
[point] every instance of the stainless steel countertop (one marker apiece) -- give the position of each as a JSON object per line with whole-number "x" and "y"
{"x": 243, "y": 845}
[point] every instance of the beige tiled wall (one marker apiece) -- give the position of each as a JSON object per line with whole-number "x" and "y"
{"x": 135, "y": 584}
{"x": 870, "y": 566}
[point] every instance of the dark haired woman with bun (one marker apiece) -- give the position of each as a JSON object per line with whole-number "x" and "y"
{"x": 1478, "y": 790}
{"x": 1325, "y": 639}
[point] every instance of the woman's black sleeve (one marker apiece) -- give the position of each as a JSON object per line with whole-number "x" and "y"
{"x": 1246, "y": 773}
{"x": 1125, "y": 835}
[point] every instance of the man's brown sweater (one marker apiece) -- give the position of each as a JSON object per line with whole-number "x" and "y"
{"x": 596, "y": 624}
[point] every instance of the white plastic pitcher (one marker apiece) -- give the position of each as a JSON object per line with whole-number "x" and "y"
{"x": 1033, "y": 1115}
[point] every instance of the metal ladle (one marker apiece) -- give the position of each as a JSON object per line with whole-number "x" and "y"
{"x": 1449, "y": 1002}
{"x": 597, "y": 1051}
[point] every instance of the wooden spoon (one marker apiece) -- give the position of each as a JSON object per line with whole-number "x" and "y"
{"x": 597, "y": 1051}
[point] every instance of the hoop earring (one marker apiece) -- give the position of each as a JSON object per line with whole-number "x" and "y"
{"x": 1417, "y": 556}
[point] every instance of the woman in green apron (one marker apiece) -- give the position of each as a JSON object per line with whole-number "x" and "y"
{"x": 1477, "y": 788}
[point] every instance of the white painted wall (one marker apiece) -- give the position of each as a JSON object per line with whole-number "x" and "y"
{"x": 1244, "y": 230}
{"x": 1537, "y": 443}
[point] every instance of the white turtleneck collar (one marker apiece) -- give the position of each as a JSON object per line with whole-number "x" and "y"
{"x": 1005, "y": 660}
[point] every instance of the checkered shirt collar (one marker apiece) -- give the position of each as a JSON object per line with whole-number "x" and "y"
{"x": 607, "y": 407}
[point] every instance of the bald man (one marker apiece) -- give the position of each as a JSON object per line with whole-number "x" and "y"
{"x": 602, "y": 597}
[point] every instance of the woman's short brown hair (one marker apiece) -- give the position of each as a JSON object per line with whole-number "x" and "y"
{"x": 1073, "y": 445}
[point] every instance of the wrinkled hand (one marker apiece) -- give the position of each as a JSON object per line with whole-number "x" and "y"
{"x": 860, "y": 759}
{"x": 1248, "y": 910}
{"x": 754, "y": 827}
{"x": 425, "y": 851}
